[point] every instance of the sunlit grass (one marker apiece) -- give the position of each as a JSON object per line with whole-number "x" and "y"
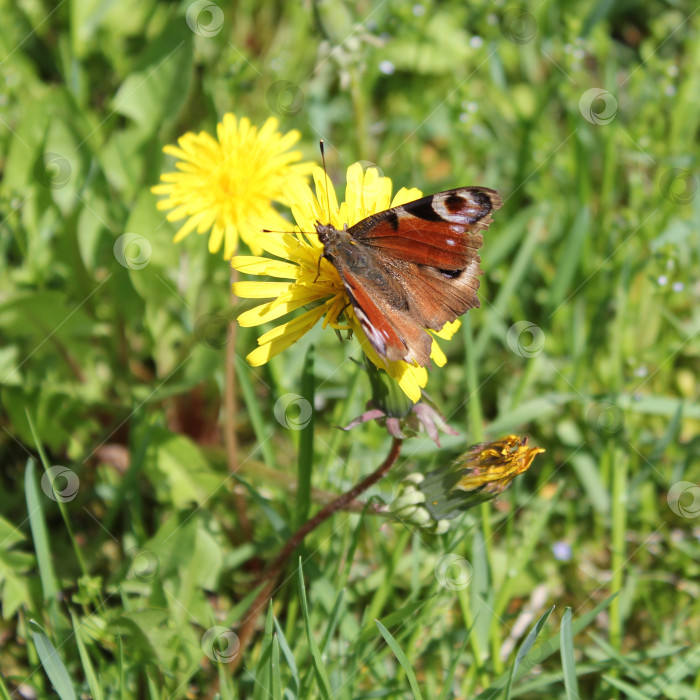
{"x": 114, "y": 339}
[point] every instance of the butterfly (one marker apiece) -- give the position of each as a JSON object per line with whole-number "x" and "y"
{"x": 413, "y": 267}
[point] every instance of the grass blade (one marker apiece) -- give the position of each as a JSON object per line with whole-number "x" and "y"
{"x": 252, "y": 405}
{"x": 306, "y": 441}
{"x": 628, "y": 689}
{"x": 59, "y": 501}
{"x": 275, "y": 676}
{"x": 402, "y": 659}
{"x": 263, "y": 670}
{"x": 40, "y": 536}
{"x": 320, "y": 672}
{"x": 567, "y": 657}
{"x": 552, "y": 646}
{"x": 570, "y": 260}
{"x": 525, "y": 648}
{"x": 4, "y": 692}
{"x": 335, "y": 616}
{"x": 52, "y": 663}
{"x": 288, "y": 656}
{"x": 88, "y": 668}
{"x": 447, "y": 683}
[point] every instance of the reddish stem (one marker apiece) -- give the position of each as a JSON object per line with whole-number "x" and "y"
{"x": 247, "y": 630}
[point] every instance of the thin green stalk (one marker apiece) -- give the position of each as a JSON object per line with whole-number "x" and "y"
{"x": 476, "y": 415}
{"x": 526, "y": 379}
{"x": 306, "y": 442}
{"x": 59, "y": 502}
{"x": 342, "y": 416}
{"x": 619, "y": 461}
{"x": 476, "y": 434}
{"x": 360, "y": 111}
{"x": 466, "y": 608}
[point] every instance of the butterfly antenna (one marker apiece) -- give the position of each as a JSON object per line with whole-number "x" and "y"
{"x": 325, "y": 174}
{"x": 296, "y": 230}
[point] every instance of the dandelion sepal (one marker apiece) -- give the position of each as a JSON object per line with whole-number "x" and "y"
{"x": 478, "y": 475}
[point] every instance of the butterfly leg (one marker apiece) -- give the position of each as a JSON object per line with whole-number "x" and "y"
{"x": 318, "y": 268}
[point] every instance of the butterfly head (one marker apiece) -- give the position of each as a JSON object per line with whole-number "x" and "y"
{"x": 328, "y": 233}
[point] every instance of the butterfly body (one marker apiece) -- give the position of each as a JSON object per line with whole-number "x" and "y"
{"x": 413, "y": 267}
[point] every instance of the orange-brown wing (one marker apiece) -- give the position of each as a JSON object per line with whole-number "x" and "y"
{"x": 438, "y": 296}
{"x": 385, "y": 318}
{"x": 441, "y": 230}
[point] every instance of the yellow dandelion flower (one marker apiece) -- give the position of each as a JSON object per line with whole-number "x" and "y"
{"x": 312, "y": 281}
{"x": 226, "y": 185}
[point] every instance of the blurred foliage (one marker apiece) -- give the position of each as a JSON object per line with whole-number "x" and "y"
{"x": 584, "y": 116}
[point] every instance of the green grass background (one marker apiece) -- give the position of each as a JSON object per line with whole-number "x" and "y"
{"x": 118, "y": 374}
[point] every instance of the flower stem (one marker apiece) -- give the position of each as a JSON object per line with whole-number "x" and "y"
{"x": 476, "y": 428}
{"x": 272, "y": 574}
{"x": 230, "y": 419}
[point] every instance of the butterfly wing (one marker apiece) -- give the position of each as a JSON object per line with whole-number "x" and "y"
{"x": 441, "y": 230}
{"x": 414, "y": 267}
{"x": 384, "y": 315}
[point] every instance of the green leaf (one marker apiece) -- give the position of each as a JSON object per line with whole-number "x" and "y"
{"x": 630, "y": 690}
{"x": 150, "y": 634}
{"x": 548, "y": 647}
{"x": 171, "y": 548}
{"x": 402, "y": 659}
{"x": 570, "y": 259}
{"x": 276, "y": 676}
{"x": 305, "y": 460}
{"x": 320, "y": 672}
{"x": 52, "y": 663}
{"x": 525, "y": 648}
{"x": 447, "y": 683}
{"x": 540, "y": 408}
{"x": 156, "y": 90}
{"x": 406, "y": 612}
{"x": 88, "y": 668}
{"x": 253, "y": 408}
{"x": 288, "y": 656}
{"x": 10, "y": 535}
{"x": 178, "y": 470}
{"x": 567, "y": 657}
{"x": 40, "y": 536}
{"x": 264, "y": 668}
{"x": 4, "y": 692}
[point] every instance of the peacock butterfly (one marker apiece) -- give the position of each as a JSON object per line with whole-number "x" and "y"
{"x": 413, "y": 267}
